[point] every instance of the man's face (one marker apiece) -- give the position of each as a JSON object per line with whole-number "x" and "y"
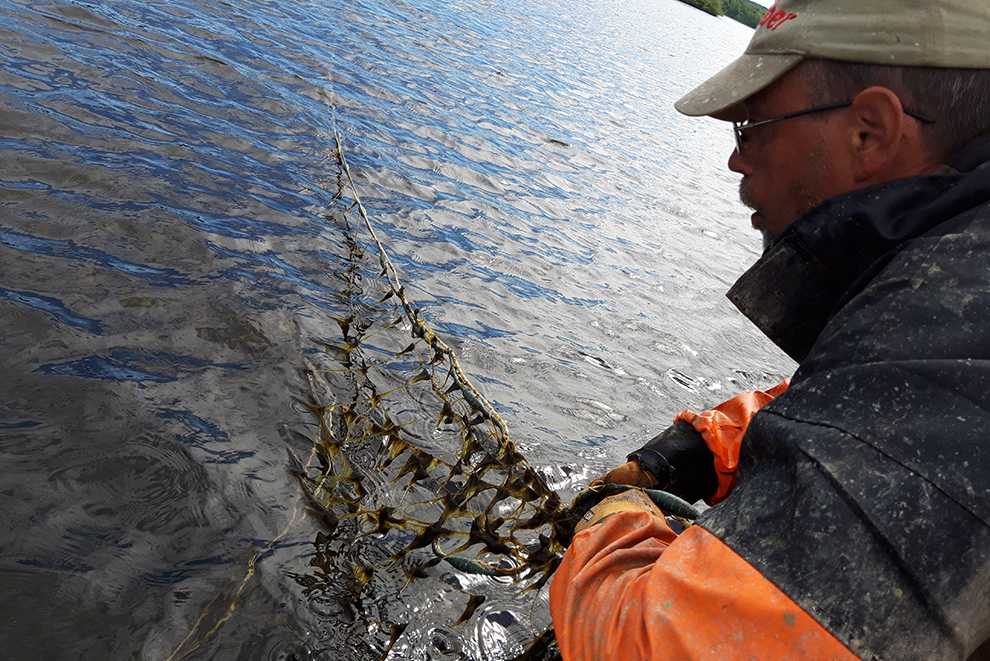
{"x": 787, "y": 166}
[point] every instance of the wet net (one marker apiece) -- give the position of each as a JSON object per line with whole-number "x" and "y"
{"x": 416, "y": 479}
{"x": 406, "y": 494}
{"x": 430, "y": 513}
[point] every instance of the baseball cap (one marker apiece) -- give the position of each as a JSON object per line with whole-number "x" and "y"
{"x": 934, "y": 33}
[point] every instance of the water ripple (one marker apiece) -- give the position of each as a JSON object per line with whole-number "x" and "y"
{"x": 167, "y": 252}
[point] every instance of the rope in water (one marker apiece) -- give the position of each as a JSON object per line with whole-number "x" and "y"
{"x": 419, "y": 329}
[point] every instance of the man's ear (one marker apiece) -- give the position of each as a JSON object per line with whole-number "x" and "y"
{"x": 876, "y": 129}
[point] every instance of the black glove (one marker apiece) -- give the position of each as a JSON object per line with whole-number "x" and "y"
{"x": 680, "y": 462}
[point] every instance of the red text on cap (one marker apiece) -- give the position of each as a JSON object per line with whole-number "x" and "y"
{"x": 774, "y": 18}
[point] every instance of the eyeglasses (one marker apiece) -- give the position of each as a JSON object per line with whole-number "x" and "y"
{"x": 739, "y": 128}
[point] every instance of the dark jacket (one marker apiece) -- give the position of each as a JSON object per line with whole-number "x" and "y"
{"x": 864, "y": 490}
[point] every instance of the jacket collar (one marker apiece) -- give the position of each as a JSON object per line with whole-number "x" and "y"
{"x": 827, "y": 255}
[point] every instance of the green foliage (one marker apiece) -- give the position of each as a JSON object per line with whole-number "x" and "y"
{"x": 713, "y": 7}
{"x": 746, "y": 12}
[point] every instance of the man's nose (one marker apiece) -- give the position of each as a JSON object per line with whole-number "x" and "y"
{"x": 737, "y": 163}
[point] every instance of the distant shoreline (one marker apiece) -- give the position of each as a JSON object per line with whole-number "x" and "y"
{"x": 746, "y": 12}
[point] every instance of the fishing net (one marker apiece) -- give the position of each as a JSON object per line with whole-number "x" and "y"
{"x": 434, "y": 524}
{"x": 412, "y": 471}
{"x": 430, "y": 513}
{"x": 415, "y": 477}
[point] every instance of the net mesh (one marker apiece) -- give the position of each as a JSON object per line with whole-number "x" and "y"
{"x": 411, "y": 466}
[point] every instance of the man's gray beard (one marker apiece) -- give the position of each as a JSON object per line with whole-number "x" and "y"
{"x": 748, "y": 201}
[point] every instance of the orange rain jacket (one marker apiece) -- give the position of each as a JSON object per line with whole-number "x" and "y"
{"x": 657, "y": 595}
{"x": 722, "y": 429}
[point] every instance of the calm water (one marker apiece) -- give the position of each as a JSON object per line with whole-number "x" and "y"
{"x": 166, "y": 267}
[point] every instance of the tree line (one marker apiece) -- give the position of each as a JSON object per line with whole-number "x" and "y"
{"x": 746, "y": 12}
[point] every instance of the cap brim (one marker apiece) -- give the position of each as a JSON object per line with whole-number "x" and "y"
{"x": 720, "y": 95}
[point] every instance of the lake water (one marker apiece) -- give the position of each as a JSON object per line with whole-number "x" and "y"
{"x": 167, "y": 269}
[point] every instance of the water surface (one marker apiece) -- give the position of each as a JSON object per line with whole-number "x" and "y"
{"x": 166, "y": 268}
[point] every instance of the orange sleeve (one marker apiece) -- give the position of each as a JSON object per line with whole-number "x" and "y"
{"x": 723, "y": 427}
{"x": 629, "y": 588}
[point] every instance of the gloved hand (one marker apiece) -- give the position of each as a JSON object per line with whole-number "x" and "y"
{"x": 630, "y": 473}
{"x": 632, "y": 499}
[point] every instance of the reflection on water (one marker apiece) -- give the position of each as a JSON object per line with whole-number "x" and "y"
{"x": 168, "y": 270}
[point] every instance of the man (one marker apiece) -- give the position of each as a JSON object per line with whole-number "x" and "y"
{"x": 860, "y": 524}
